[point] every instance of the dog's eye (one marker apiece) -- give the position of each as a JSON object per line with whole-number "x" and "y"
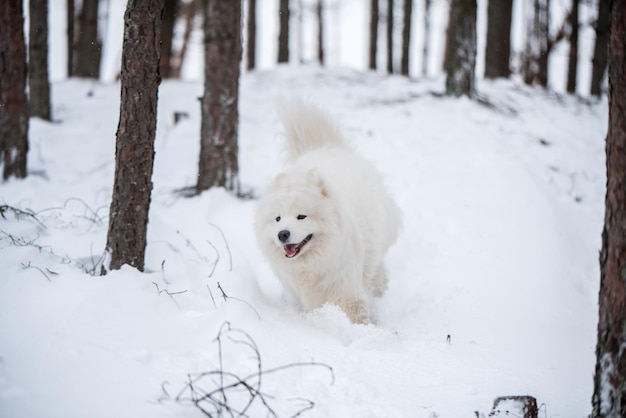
{"x": 301, "y": 217}
{"x": 278, "y": 219}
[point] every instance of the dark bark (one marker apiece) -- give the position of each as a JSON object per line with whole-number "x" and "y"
{"x": 498, "y": 48}
{"x": 70, "y": 37}
{"x": 251, "y": 49}
{"x": 88, "y": 46}
{"x": 134, "y": 152}
{"x": 13, "y": 102}
{"x": 609, "y": 395}
{"x": 461, "y": 49}
{"x": 170, "y": 13}
{"x": 373, "y": 47}
{"x": 572, "y": 66}
{"x": 189, "y": 11}
{"x": 426, "y": 52}
{"x": 283, "y": 34}
{"x": 390, "y": 6}
{"x": 535, "y": 57}
{"x": 320, "y": 31}
{"x": 406, "y": 37}
{"x": 218, "y": 165}
{"x": 38, "y": 82}
{"x": 601, "y": 48}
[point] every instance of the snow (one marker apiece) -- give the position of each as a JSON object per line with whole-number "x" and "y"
{"x": 493, "y": 282}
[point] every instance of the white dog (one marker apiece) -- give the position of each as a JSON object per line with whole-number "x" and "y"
{"x": 326, "y": 222}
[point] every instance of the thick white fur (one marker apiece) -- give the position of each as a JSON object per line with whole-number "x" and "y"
{"x": 349, "y": 213}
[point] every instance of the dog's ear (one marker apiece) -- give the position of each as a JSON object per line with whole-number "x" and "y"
{"x": 316, "y": 179}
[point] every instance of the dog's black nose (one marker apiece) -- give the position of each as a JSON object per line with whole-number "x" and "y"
{"x": 283, "y": 235}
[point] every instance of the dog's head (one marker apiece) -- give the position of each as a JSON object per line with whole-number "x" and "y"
{"x": 295, "y": 216}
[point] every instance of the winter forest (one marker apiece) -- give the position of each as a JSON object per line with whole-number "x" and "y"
{"x": 136, "y": 137}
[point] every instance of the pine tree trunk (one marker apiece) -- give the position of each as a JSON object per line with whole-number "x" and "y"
{"x": 70, "y": 15}
{"x": 13, "y": 102}
{"x": 251, "y": 49}
{"x": 609, "y": 396}
{"x": 170, "y": 12}
{"x": 373, "y": 47}
{"x": 38, "y": 83}
{"x": 320, "y": 32}
{"x": 600, "y": 52}
{"x": 535, "y": 57}
{"x": 426, "y": 51}
{"x": 134, "y": 153}
{"x": 461, "y": 49}
{"x": 406, "y": 37}
{"x": 283, "y": 34}
{"x": 220, "y": 104}
{"x": 88, "y": 46}
{"x": 390, "y": 7}
{"x": 572, "y": 67}
{"x": 498, "y": 48}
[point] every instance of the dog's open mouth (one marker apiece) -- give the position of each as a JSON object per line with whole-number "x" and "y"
{"x": 292, "y": 250}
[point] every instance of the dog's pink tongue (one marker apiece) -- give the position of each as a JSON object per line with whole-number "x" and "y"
{"x": 290, "y": 250}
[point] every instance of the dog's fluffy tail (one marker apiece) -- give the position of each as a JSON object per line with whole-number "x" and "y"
{"x": 307, "y": 128}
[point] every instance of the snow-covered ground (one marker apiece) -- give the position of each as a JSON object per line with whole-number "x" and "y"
{"x": 493, "y": 281}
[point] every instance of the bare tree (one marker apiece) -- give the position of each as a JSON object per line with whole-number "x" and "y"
{"x": 218, "y": 165}
{"x": 390, "y": 6}
{"x": 134, "y": 151}
{"x": 283, "y": 34}
{"x": 461, "y": 49}
{"x": 38, "y": 82}
{"x": 498, "y": 48}
{"x": 572, "y": 68}
{"x": 320, "y": 31}
{"x": 535, "y": 57}
{"x": 426, "y": 51}
{"x": 13, "y": 102}
{"x": 88, "y": 46}
{"x": 170, "y": 13}
{"x": 609, "y": 395}
{"x": 600, "y": 52}
{"x": 176, "y": 62}
{"x": 251, "y": 49}
{"x": 70, "y": 37}
{"x": 373, "y": 34}
{"x": 406, "y": 37}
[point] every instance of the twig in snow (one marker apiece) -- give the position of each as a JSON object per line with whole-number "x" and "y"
{"x": 168, "y": 293}
{"x": 226, "y": 297}
{"x": 220, "y": 392}
{"x": 29, "y": 266}
{"x": 230, "y": 256}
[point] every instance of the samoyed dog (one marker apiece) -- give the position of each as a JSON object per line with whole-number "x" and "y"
{"x": 326, "y": 222}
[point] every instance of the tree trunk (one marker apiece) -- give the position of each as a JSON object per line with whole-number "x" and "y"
{"x": 170, "y": 12}
{"x": 251, "y": 49}
{"x": 535, "y": 57}
{"x": 498, "y": 48}
{"x": 320, "y": 31}
{"x": 609, "y": 395}
{"x": 426, "y": 51}
{"x": 461, "y": 49}
{"x": 572, "y": 67}
{"x": 38, "y": 83}
{"x": 220, "y": 115}
{"x": 406, "y": 37}
{"x": 600, "y": 52}
{"x": 88, "y": 46}
{"x": 189, "y": 11}
{"x": 373, "y": 34}
{"x": 70, "y": 37}
{"x": 283, "y": 34}
{"x": 134, "y": 152}
{"x": 390, "y": 7}
{"x": 13, "y": 102}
